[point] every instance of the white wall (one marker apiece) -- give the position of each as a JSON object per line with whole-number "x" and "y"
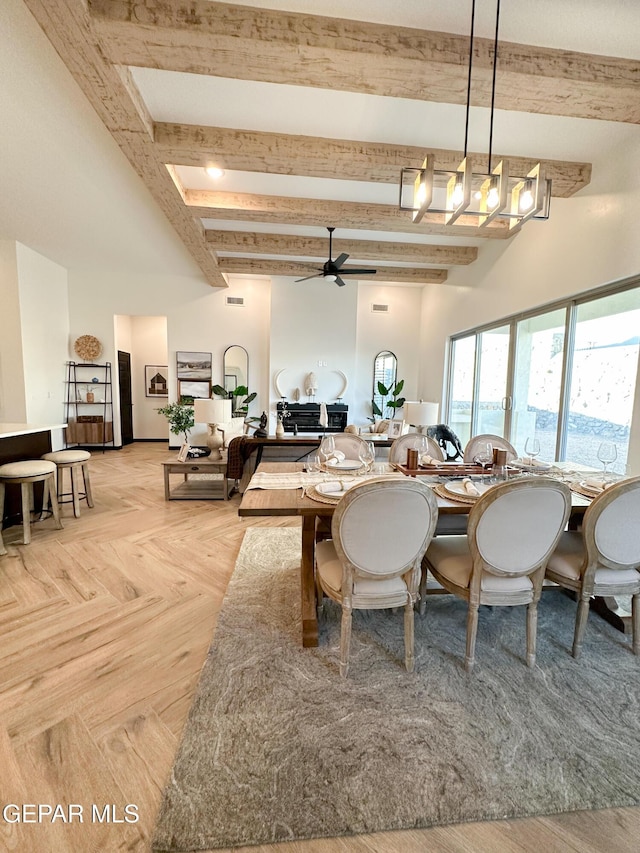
{"x": 397, "y": 331}
{"x": 148, "y": 347}
{"x": 13, "y": 408}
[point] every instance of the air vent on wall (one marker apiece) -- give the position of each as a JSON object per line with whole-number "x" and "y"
{"x": 235, "y": 300}
{"x": 379, "y": 308}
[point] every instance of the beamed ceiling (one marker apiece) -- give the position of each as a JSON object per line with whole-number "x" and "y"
{"x": 312, "y": 117}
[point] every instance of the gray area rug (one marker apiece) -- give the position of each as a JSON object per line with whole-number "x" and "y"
{"x": 278, "y": 747}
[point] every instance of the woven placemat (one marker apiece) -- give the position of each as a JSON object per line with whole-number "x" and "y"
{"x": 440, "y": 490}
{"x": 586, "y": 493}
{"x": 315, "y": 495}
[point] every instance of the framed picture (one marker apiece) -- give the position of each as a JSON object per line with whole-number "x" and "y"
{"x": 394, "y": 430}
{"x": 190, "y": 391}
{"x": 194, "y": 366}
{"x": 155, "y": 380}
{"x": 230, "y": 382}
{"x": 183, "y": 453}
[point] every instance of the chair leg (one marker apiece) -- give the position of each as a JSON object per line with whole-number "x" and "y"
{"x": 3, "y": 550}
{"x": 581, "y": 624}
{"x": 55, "y": 510}
{"x": 409, "y": 660}
{"x": 26, "y": 490}
{"x": 87, "y": 486}
{"x": 532, "y": 630}
{"x": 472, "y": 630}
{"x": 345, "y": 639}
{"x": 45, "y": 498}
{"x": 635, "y": 620}
{"x": 74, "y": 473}
{"x": 319, "y": 594}
{"x": 422, "y": 592}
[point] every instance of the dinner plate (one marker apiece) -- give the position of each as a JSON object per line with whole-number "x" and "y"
{"x": 531, "y": 468}
{"x": 344, "y": 464}
{"x": 457, "y": 488}
{"x": 591, "y": 489}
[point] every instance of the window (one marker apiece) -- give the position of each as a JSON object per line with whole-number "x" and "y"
{"x": 567, "y": 376}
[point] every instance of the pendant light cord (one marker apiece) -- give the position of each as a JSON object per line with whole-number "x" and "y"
{"x": 466, "y": 123}
{"x": 493, "y": 84}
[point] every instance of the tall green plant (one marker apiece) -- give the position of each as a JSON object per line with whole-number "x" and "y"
{"x": 392, "y": 401}
{"x": 240, "y": 399}
{"x": 180, "y": 417}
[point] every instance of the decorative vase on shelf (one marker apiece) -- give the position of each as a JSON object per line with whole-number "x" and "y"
{"x": 90, "y": 397}
{"x": 279, "y": 429}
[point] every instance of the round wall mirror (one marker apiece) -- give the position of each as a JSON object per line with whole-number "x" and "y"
{"x": 385, "y": 369}
{"x": 236, "y": 368}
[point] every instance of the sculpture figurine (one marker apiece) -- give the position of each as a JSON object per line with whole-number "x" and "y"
{"x": 261, "y": 432}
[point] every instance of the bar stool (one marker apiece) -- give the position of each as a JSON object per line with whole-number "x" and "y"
{"x": 74, "y": 461}
{"x": 27, "y": 473}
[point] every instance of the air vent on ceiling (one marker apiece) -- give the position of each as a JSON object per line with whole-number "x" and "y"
{"x": 235, "y": 300}
{"x": 379, "y": 308}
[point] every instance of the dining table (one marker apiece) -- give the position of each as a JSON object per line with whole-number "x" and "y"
{"x": 271, "y": 492}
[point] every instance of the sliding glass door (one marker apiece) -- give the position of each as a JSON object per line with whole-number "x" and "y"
{"x": 567, "y": 376}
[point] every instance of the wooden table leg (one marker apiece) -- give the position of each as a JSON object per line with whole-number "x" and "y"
{"x": 307, "y": 583}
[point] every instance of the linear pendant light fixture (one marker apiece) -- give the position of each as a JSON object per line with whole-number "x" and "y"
{"x": 465, "y": 192}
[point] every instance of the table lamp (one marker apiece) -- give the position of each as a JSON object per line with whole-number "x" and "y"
{"x": 421, "y": 414}
{"x": 212, "y": 413}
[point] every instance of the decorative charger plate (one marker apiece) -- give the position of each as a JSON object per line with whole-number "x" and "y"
{"x": 87, "y": 347}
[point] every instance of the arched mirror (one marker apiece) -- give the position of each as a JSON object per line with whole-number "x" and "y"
{"x": 236, "y": 368}
{"x": 385, "y": 370}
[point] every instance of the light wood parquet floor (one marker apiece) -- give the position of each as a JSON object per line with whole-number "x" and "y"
{"x": 104, "y": 627}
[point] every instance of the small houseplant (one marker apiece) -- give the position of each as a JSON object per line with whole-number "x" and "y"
{"x": 240, "y": 399}
{"x": 180, "y": 417}
{"x": 391, "y": 399}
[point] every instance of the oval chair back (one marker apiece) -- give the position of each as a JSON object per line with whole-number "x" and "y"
{"x": 474, "y": 444}
{"x": 410, "y": 441}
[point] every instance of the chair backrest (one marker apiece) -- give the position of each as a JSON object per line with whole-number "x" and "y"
{"x": 474, "y": 443}
{"x": 515, "y": 526}
{"x": 610, "y": 527}
{"x": 348, "y": 443}
{"x": 382, "y": 528}
{"x": 398, "y": 450}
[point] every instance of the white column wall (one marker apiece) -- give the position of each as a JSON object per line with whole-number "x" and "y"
{"x": 13, "y": 406}
{"x": 148, "y": 346}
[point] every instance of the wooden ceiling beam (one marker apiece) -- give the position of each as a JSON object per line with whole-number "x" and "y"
{"x": 245, "y": 242}
{"x": 256, "y": 266}
{"x": 319, "y": 157}
{"x": 114, "y": 96}
{"x": 286, "y": 210}
{"x": 241, "y": 42}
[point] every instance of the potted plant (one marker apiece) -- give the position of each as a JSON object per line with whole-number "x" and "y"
{"x": 240, "y": 399}
{"x": 180, "y": 417}
{"x": 391, "y": 399}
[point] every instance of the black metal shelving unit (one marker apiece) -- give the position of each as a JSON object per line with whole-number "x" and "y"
{"x": 89, "y": 423}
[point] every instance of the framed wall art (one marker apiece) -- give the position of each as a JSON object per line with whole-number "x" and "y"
{"x": 195, "y": 366}
{"x": 155, "y": 380}
{"x": 189, "y": 391}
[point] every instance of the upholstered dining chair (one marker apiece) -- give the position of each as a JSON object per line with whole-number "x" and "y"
{"x": 475, "y": 442}
{"x": 604, "y": 557}
{"x": 348, "y": 443}
{"x": 410, "y": 441}
{"x": 363, "y": 566}
{"x": 513, "y": 529}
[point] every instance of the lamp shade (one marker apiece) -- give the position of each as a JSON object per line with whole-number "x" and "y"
{"x": 421, "y": 414}
{"x": 212, "y": 411}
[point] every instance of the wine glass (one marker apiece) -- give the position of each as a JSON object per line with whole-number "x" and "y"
{"x": 313, "y": 463}
{"x": 484, "y": 456}
{"x": 607, "y": 454}
{"x": 532, "y": 448}
{"x": 367, "y": 455}
{"x": 327, "y": 447}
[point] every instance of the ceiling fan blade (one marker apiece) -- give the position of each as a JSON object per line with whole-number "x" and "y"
{"x": 341, "y": 259}
{"x": 315, "y": 275}
{"x": 358, "y": 272}
{"x": 340, "y": 282}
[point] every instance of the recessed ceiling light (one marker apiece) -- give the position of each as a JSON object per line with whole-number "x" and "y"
{"x": 214, "y": 172}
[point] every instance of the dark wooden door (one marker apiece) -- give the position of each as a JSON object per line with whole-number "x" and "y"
{"x": 126, "y": 404}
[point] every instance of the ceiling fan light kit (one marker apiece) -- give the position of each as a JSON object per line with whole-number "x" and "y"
{"x": 465, "y": 192}
{"x": 333, "y": 270}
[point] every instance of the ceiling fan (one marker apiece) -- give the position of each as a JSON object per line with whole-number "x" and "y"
{"x": 332, "y": 270}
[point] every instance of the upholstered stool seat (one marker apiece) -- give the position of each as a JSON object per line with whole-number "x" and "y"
{"x": 75, "y": 461}
{"x": 26, "y": 473}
